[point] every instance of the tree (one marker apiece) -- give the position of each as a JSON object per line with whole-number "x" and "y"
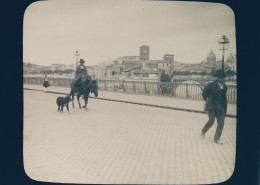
{"x": 47, "y": 71}
{"x": 33, "y": 72}
{"x": 58, "y": 71}
{"x": 203, "y": 73}
{"x": 230, "y": 73}
{"x": 68, "y": 71}
{"x": 165, "y": 77}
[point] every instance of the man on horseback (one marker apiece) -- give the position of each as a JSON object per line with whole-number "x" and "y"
{"x": 81, "y": 69}
{"x": 83, "y": 84}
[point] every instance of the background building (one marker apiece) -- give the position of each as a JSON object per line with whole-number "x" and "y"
{"x": 144, "y": 52}
{"x": 231, "y": 62}
{"x": 58, "y": 67}
{"x": 138, "y": 67}
{"x": 211, "y": 60}
{"x": 142, "y": 67}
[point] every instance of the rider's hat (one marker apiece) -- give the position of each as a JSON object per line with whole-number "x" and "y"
{"x": 81, "y": 61}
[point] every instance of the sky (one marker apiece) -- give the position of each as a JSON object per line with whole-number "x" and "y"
{"x": 102, "y": 30}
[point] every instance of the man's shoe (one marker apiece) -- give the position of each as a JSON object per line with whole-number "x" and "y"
{"x": 218, "y": 142}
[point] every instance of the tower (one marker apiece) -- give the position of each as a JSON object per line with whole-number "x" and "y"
{"x": 144, "y": 52}
{"x": 168, "y": 57}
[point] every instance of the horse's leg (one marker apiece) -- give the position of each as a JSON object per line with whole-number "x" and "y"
{"x": 67, "y": 106}
{"x": 72, "y": 97}
{"x": 73, "y": 101}
{"x": 79, "y": 101}
{"x": 86, "y": 101}
{"x": 62, "y": 108}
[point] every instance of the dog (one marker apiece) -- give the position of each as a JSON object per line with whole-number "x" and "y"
{"x": 63, "y": 101}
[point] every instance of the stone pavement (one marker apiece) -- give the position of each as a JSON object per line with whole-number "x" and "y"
{"x": 118, "y": 143}
{"x": 147, "y": 99}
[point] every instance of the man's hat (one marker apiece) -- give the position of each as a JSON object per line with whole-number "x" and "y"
{"x": 220, "y": 74}
{"x": 81, "y": 61}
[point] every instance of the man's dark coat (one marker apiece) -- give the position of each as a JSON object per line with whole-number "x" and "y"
{"x": 217, "y": 97}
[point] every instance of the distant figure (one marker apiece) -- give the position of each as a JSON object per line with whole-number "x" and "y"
{"x": 215, "y": 95}
{"x": 45, "y": 83}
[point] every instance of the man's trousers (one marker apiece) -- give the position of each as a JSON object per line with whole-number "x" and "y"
{"x": 220, "y": 115}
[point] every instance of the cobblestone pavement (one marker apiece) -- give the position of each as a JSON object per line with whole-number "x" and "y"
{"x": 117, "y": 143}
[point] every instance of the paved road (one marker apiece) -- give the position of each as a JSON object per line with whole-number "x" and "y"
{"x": 116, "y": 143}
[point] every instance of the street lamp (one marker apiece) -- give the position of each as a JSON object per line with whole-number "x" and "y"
{"x": 77, "y": 56}
{"x": 223, "y": 45}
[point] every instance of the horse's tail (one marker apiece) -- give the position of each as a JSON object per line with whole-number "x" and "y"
{"x": 71, "y": 92}
{"x": 72, "y": 83}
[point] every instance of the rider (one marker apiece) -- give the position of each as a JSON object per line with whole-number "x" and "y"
{"x": 81, "y": 69}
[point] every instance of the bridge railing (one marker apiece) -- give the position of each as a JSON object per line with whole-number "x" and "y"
{"x": 173, "y": 89}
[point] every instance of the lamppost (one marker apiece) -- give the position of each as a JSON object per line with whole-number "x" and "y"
{"x": 77, "y": 56}
{"x": 223, "y": 45}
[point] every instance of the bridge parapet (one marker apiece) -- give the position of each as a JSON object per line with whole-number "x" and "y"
{"x": 178, "y": 89}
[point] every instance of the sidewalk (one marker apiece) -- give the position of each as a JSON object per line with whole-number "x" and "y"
{"x": 195, "y": 105}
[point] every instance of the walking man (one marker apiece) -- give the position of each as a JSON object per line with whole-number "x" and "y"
{"x": 215, "y": 95}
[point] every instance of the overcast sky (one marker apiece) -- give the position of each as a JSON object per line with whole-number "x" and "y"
{"x": 108, "y": 29}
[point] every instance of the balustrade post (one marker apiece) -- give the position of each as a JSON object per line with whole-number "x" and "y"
{"x": 158, "y": 88}
{"x": 187, "y": 91}
{"x": 105, "y": 85}
{"x": 134, "y": 87}
{"x": 145, "y": 88}
{"x": 114, "y": 85}
{"x": 171, "y": 89}
{"x": 123, "y": 86}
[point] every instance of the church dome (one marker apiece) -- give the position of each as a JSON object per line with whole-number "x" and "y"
{"x": 231, "y": 58}
{"x": 211, "y": 55}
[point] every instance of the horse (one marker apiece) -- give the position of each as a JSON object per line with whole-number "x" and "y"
{"x": 83, "y": 86}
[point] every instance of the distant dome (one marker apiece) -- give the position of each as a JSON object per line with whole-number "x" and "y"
{"x": 211, "y": 55}
{"x": 211, "y": 59}
{"x": 231, "y": 58}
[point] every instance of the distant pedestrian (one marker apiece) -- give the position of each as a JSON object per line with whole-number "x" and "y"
{"x": 46, "y": 83}
{"x": 215, "y": 95}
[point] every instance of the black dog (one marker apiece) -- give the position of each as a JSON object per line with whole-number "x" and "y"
{"x": 61, "y": 101}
